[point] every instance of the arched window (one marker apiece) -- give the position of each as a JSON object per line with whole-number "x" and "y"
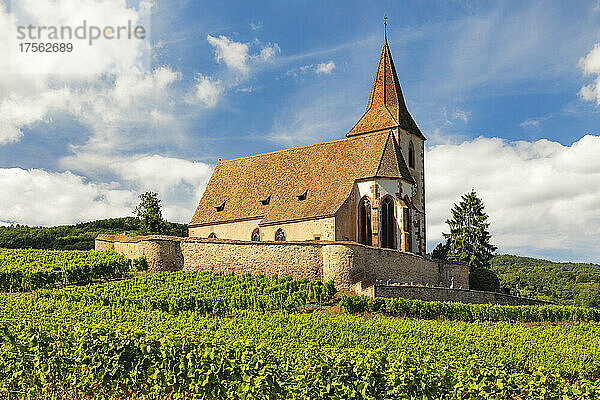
{"x": 212, "y": 236}
{"x": 365, "y": 235}
{"x": 411, "y": 155}
{"x": 280, "y": 235}
{"x": 255, "y": 235}
{"x": 388, "y": 223}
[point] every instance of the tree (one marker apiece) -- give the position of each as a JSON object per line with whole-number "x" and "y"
{"x": 440, "y": 252}
{"x": 150, "y": 214}
{"x": 469, "y": 239}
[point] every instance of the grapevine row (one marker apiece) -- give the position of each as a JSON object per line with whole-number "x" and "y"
{"x": 467, "y": 312}
{"x": 29, "y": 269}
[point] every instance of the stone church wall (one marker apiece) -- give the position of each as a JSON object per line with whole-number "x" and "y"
{"x": 323, "y": 228}
{"x": 347, "y": 264}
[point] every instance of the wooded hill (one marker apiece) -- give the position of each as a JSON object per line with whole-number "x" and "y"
{"x": 559, "y": 282}
{"x": 75, "y": 237}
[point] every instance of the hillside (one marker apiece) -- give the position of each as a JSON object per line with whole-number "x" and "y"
{"x": 73, "y": 237}
{"x": 562, "y": 283}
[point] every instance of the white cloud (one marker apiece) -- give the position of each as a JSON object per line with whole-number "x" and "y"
{"x": 38, "y": 197}
{"x": 321, "y": 68}
{"x": 590, "y": 64}
{"x": 236, "y": 55}
{"x": 462, "y": 115}
{"x": 233, "y": 54}
{"x": 269, "y": 52}
{"x": 534, "y": 123}
{"x": 325, "y": 68}
{"x": 208, "y": 90}
{"x": 541, "y": 196}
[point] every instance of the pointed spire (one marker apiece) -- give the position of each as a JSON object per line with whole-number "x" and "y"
{"x": 385, "y": 29}
{"x": 386, "y": 108}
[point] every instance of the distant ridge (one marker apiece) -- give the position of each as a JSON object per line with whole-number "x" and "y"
{"x": 74, "y": 237}
{"x": 558, "y": 282}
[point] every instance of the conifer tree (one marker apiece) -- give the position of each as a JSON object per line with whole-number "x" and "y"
{"x": 469, "y": 239}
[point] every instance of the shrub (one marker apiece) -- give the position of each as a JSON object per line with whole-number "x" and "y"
{"x": 484, "y": 279}
{"x": 139, "y": 264}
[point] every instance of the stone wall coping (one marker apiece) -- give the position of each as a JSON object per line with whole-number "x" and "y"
{"x": 136, "y": 239}
{"x": 437, "y": 288}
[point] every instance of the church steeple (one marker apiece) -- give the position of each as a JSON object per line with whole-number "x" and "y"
{"x": 386, "y": 108}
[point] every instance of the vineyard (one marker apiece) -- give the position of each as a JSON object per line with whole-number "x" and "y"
{"x": 467, "y": 312}
{"x": 29, "y": 269}
{"x": 187, "y": 335}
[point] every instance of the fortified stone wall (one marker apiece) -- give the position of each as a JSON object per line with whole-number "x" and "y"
{"x": 452, "y": 295}
{"x": 268, "y": 258}
{"x": 351, "y": 266}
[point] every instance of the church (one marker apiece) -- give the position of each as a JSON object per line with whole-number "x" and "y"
{"x": 367, "y": 187}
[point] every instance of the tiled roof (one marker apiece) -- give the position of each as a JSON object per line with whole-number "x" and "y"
{"x": 386, "y": 108}
{"x": 325, "y": 171}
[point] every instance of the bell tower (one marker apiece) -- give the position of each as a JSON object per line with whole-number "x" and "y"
{"x": 386, "y": 110}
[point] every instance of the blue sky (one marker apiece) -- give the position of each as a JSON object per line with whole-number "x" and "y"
{"x": 505, "y": 92}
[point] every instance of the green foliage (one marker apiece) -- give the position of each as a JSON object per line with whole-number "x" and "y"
{"x": 115, "y": 364}
{"x": 139, "y": 264}
{"x": 189, "y": 335}
{"x": 440, "y": 252}
{"x": 74, "y": 237}
{"x": 33, "y": 269}
{"x": 565, "y": 283}
{"x": 204, "y": 293}
{"x": 306, "y": 356}
{"x": 484, "y": 279}
{"x": 150, "y": 214}
{"x": 469, "y": 240}
{"x": 467, "y": 312}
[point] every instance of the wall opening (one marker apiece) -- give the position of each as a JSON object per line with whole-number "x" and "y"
{"x": 406, "y": 227}
{"x": 280, "y": 235}
{"x": 365, "y": 234}
{"x": 388, "y": 223}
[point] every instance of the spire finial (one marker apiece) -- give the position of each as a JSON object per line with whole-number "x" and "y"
{"x": 385, "y": 28}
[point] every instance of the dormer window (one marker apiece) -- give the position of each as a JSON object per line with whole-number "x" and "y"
{"x": 265, "y": 202}
{"x": 302, "y": 196}
{"x": 220, "y": 207}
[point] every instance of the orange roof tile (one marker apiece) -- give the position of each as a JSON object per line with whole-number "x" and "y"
{"x": 386, "y": 108}
{"x": 325, "y": 171}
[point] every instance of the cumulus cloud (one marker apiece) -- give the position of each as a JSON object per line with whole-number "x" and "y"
{"x": 236, "y": 55}
{"x": 325, "y": 68}
{"x": 207, "y": 90}
{"x": 541, "y": 196}
{"x": 590, "y": 64}
{"x": 233, "y": 54}
{"x": 268, "y": 52}
{"x": 39, "y": 197}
